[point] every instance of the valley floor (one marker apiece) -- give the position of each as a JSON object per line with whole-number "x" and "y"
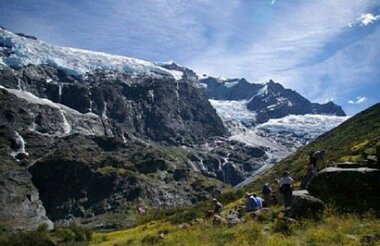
{"x": 333, "y": 229}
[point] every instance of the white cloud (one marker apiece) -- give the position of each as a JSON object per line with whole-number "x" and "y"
{"x": 358, "y": 100}
{"x": 368, "y": 18}
{"x": 293, "y": 38}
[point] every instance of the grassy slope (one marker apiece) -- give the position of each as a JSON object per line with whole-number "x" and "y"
{"x": 332, "y": 230}
{"x": 347, "y": 142}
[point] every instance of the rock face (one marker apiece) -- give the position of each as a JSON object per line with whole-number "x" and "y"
{"x": 160, "y": 109}
{"x": 355, "y": 189}
{"x": 20, "y": 206}
{"x": 305, "y": 206}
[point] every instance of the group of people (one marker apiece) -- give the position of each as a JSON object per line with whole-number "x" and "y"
{"x": 283, "y": 192}
{"x": 255, "y": 202}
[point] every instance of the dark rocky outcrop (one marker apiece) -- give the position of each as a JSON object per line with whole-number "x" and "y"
{"x": 20, "y": 207}
{"x": 351, "y": 189}
{"x": 305, "y": 206}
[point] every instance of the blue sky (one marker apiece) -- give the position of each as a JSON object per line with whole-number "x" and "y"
{"x": 326, "y": 50}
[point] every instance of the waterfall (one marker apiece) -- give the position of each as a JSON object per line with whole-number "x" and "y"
{"x": 90, "y": 109}
{"x": 177, "y": 95}
{"x": 151, "y": 95}
{"x": 20, "y": 144}
{"x": 66, "y": 125}
{"x": 104, "y": 113}
{"x": 19, "y": 84}
{"x": 60, "y": 92}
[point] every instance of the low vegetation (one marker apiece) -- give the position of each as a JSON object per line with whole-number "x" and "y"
{"x": 71, "y": 235}
{"x": 332, "y": 229}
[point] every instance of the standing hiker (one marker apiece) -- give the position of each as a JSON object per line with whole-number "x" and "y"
{"x": 316, "y": 158}
{"x": 285, "y": 184}
{"x": 266, "y": 190}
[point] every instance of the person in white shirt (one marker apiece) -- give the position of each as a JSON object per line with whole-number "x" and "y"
{"x": 285, "y": 184}
{"x": 259, "y": 201}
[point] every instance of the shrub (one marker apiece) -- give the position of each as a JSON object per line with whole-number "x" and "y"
{"x": 151, "y": 239}
{"x": 285, "y": 227}
{"x": 186, "y": 216}
{"x": 72, "y": 233}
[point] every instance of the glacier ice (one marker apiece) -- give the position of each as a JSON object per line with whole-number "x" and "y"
{"x": 27, "y": 51}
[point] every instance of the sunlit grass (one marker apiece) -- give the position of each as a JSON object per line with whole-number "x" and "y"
{"x": 333, "y": 229}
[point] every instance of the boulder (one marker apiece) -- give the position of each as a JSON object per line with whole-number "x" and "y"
{"x": 263, "y": 214}
{"x": 305, "y": 206}
{"x": 233, "y": 219}
{"x": 219, "y": 220}
{"x": 351, "y": 189}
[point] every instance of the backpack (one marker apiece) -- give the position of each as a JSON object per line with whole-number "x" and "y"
{"x": 266, "y": 190}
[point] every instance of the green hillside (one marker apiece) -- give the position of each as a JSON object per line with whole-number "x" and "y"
{"x": 348, "y": 142}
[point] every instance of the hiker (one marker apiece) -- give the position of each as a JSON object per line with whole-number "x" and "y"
{"x": 316, "y": 158}
{"x": 250, "y": 204}
{"x": 266, "y": 190}
{"x": 218, "y": 207}
{"x": 277, "y": 191}
{"x": 259, "y": 202}
{"x": 311, "y": 172}
{"x": 285, "y": 184}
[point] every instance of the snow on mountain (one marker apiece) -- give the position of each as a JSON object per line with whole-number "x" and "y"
{"x": 18, "y": 51}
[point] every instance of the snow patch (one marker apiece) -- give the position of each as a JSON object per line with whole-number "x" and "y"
{"x": 230, "y": 84}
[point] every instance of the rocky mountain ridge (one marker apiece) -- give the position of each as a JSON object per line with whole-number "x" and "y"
{"x": 268, "y": 101}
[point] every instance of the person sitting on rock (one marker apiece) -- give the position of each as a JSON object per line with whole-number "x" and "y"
{"x": 218, "y": 207}
{"x": 285, "y": 184}
{"x": 266, "y": 190}
{"x": 259, "y": 202}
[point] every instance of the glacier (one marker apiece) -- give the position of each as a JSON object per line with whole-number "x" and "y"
{"x": 17, "y": 51}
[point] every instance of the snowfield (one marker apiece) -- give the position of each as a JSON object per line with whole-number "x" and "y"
{"x": 26, "y": 51}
